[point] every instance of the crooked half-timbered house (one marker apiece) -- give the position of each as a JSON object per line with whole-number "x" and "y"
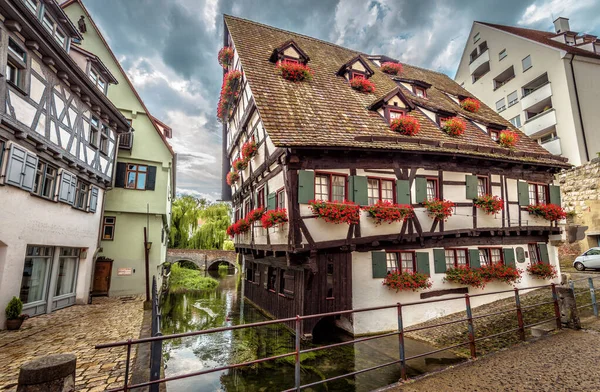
{"x": 58, "y": 138}
{"x": 323, "y": 140}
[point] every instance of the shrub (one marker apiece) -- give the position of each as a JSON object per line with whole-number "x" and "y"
{"x": 439, "y": 209}
{"x": 295, "y": 72}
{"x": 184, "y": 280}
{"x": 232, "y": 177}
{"x": 14, "y": 308}
{"x": 550, "y": 212}
{"x": 500, "y": 272}
{"x": 228, "y": 245}
{"x": 406, "y": 125}
{"x": 239, "y": 164}
{"x": 385, "y": 211}
{"x": 542, "y": 271}
{"x": 470, "y": 104}
{"x": 249, "y": 150}
{"x": 255, "y": 214}
{"x": 508, "y": 138}
{"x": 363, "y": 85}
{"x": 404, "y": 281}
{"x": 225, "y": 56}
{"x": 274, "y": 217}
{"x": 489, "y": 204}
{"x": 391, "y": 68}
{"x": 454, "y": 126}
{"x": 336, "y": 212}
{"x": 464, "y": 275}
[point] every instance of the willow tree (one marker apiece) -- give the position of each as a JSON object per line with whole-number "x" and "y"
{"x": 185, "y": 213}
{"x": 212, "y": 230}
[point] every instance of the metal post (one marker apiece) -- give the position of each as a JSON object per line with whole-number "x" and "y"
{"x": 471, "y": 327}
{"x": 519, "y": 315}
{"x": 297, "y": 369}
{"x": 126, "y": 381}
{"x": 401, "y": 343}
{"x": 556, "y": 308}
{"x": 572, "y": 285}
{"x": 593, "y": 295}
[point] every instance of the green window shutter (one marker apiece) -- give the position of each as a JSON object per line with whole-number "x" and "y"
{"x": 471, "y": 187}
{"x": 357, "y": 187}
{"x": 554, "y": 194}
{"x": 423, "y": 262}
{"x": 474, "y": 258}
{"x": 544, "y": 256}
{"x": 379, "y": 263}
{"x": 306, "y": 186}
{"x": 403, "y": 192}
{"x": 509, "y": 257}
{"x": 439, "y": 261}
{"x": 420, "y": 189}
{"x": 271, "y": 201}
{"x": 523, "y": 188}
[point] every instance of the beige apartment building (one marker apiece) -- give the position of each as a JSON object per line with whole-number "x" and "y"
{"x": 546, "y": 83}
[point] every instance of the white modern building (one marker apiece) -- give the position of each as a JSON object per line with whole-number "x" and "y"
{"x": 58, "y": 137}
{"x": 545, "y": 83}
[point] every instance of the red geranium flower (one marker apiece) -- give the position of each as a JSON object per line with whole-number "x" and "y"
{"x": 363, "y": 85}
{"x": 454, "y": 126}
{"x": 542, "y": 271}
{"x": 550, "y": 212}
{"x": 470, "y": 105}
{"x": 406, "y": 125}
{"x": 225, "y": 56}
{"x": 385, "y": 211}
{"x": 239, "y": 164}
{"x": 255, "y": 214}
{"x": 336, "y": 212}
{"x": 489, "y": 204}
{"x": 391, "y": 68}
{"x": 402, "y": 281}
{"x": 249, "y": 149}
{"x": 274, "y": 217}
{"x": 508, "y": 138}
{"x": 295, "y": 72}
{"x": 232, "y": 177}
{"x": 439, "y": 209}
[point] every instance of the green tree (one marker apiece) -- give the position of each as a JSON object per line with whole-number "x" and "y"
{"x": 228, "y": 245}
{"x": 198, "y": 224}
{"x": 185, "y": 214}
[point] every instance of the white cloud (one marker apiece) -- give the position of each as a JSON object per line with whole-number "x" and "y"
{"x": 192, "y": 192}
{"x": 551, "y": 9}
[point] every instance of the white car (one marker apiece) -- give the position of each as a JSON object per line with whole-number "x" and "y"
{"x": 589, "y": 259}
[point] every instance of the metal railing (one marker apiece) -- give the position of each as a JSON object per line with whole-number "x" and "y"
{"x": 591, "y": 290}
{"x": 400, "y": 333}
{"x": 155, "y": 345}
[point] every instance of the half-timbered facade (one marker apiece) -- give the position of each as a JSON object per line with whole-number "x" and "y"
{"x": 58, "y": 138}
{"x": 323, "y": 140}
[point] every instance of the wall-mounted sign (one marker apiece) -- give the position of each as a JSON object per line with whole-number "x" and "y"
{"x": 124, "y": 271}
{"x": 520, "y": 255}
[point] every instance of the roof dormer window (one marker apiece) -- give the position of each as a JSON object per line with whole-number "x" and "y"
{"x": 32, "y": 5}
{"x": 98, "y": 80}
{"x": 289, "y": 52}
{"x": 419, "y": 92}
{"x": 356, "y": 68}
{"x": 56, "y": 32}
{"x": 357, "y": 75}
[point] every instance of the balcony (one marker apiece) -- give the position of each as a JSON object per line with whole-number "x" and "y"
{"x": 540, "y": 122}
{"x": 553, "y": 146}
{"x": 481, "y": 64}
{"x": 535, "y": 92}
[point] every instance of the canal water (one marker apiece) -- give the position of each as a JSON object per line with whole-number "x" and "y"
{"x": 226, "y": 307}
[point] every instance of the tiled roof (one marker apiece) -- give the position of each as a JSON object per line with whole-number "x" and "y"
{"x": 543, "y": 37}
{"x": 327, "y": 112}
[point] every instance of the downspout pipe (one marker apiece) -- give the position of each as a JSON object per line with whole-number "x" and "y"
{"x": 587, "y": 154}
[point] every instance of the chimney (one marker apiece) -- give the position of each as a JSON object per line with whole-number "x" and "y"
{"x": 561, "y": 25}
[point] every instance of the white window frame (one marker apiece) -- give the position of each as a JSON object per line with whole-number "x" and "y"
{"x": 523, "y": 63}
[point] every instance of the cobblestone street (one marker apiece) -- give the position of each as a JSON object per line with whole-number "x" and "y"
{"x": 76, "y": 330}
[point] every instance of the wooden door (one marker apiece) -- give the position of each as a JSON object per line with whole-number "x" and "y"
{"x": 102, "y": 274}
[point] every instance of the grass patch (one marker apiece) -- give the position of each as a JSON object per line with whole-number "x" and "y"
{"x": 223, "y": 268}
{"x": 184, "y": 279}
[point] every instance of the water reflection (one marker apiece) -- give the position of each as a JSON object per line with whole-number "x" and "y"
{"x": 225, "y": 307}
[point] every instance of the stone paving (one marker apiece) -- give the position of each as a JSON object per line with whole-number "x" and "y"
{"x": 76, "y": 330}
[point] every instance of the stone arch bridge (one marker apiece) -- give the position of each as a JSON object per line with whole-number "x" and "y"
{"x": 204, "y": 259}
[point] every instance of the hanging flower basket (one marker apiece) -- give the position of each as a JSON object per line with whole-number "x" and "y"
{"x": 500, "y": 272}
{"x": 231, "y": 231}
{"x": 295, "y": 72}
{"x": 239, "y": 164}
{"x": 439, "y": 209}
{"x": 489, "y": 204}
{"x": 465, "y": 275}
{"x": 388, "y": 212}
{"x": 255, "y": 214}
{"x": 232, "y": 177}
{"x": 508, "y": 138}
{"x": 404, "y": 281}
{"x": 542, "y": 271}
{"x": 550, "y": 212}
{"x": 274, "y": 217}
{"x": 454, "y": 126}
{"x": 239, "y": 227}
{"x": 249, "y": 150}
{"x": 363, "y": 85}
{"x": 336, "y": 212}
{"x": 391, "y": 68}
{"x": 225, "y": 56}
{"x": 470, "y": 105}
{"x": 229, "y": 93}
{"x": 406, "y": 125}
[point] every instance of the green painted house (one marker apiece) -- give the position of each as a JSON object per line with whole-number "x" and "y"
{"x": 144, "y": 178}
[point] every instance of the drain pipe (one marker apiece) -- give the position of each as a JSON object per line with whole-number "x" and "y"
{"x": 587, "y": 154}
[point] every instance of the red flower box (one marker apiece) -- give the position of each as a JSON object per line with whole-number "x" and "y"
{"x": 465, "y": 275}
{"x": 542, "y": 271}
{"x": 249, "y": 150}
{"x": 391, "y": 68}
{"x": 239, "y": 227}
{"x": 489, "y": 204}
{"x": 385, "y": 211}
{"x": 225, "y": 56}
{"x": 295, "y": 72}
{"x": 454, "y": 126}
{"x": 470, "y": 105}
{"x": 363, "y": 85}
{"x": 255, "y": 214}
{"x": 336, "y": 212}
{"x": 232, "y": 177}
{"x": 439, "y": 209}
{"x": 239, "y": 164}
{"x": 406, "y": 125}
{"x": 404, "y": 281}
{"x": 550, "y": 212}
{"x": 508, "y": 138}
{"x": 274, "y": 217}
{"x": 500, "y": 272}
{"x": 229, "y": 92}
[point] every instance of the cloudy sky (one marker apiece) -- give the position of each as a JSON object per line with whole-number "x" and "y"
{"x": 169, "y": 49}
